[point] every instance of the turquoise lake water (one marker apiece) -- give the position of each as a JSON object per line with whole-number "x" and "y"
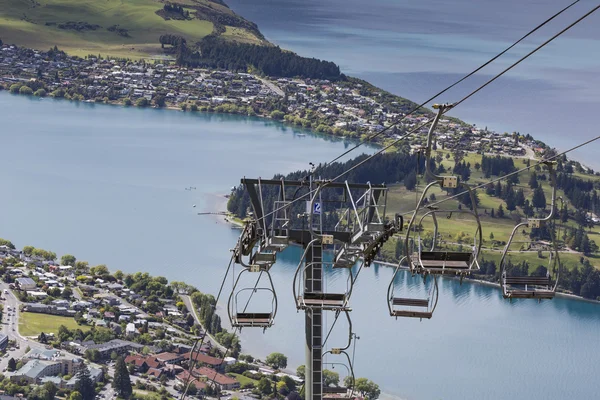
{"x": 108, "y": 185}
{"x": 416, "y": 48}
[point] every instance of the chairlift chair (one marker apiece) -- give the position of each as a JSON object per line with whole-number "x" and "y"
{"x": 340, "y": 392}
{"x": 437, "y": 260}
{"x": 317, "y": 299}
{"x": 534, "y": 287}
{"x": 239, "y": 317}
{"x": 412, "y": 307}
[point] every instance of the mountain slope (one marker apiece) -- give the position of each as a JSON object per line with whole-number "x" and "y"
{"x": 126, "y": 28}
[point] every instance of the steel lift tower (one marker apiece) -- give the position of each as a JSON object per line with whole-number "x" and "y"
{"x": 360, "y": 230}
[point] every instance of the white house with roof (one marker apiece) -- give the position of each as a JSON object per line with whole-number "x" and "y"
{"x": 26, "y": 283}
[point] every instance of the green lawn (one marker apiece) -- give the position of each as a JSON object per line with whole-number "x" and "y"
{"x": 32, "y": 324}
{"x": 243, "y": 379}
{"x": 34, "y": 23}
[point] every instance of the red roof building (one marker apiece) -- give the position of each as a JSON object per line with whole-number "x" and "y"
{"x": 171, "y": 358}
{"x": 223, "y": 381}
{"x": 205, "y": 359}
{"x": 184, "y": 377}
{"x": 155, "y": 372}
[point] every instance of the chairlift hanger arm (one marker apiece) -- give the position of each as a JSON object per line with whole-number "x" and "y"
{"x": 349, "y": 366}
{"x": 442, "y": 108}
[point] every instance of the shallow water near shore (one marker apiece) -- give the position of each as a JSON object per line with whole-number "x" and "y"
{"x": 108, "y": 184}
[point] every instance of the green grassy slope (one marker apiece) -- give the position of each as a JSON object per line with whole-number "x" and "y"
{"x": 461, "y": 228}
{"x": 34, "y": 23}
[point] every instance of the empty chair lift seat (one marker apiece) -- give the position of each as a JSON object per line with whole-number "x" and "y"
{"x": 324, "y": 300}
{"x": 444, "y": 260}
{"x": 406, "y": 302}
{"x": 330, "y": 391}
{"x": 253, "y": 319}
{"x": 533, "y": 287}
{"x": 334, "y": 393}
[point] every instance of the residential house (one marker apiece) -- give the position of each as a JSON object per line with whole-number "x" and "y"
{"x": 184, "y": 377}
{"x": 224, "y": 382}
{"x": 170, "y": 358}
{"x": 33, "y": 370}
{"x": 116, "y": 345}
{"x": 207, "y": 360}
{"x": 131, "y": 330}
{"x": 26, "y": 283}
{"x": 109, "y": 315}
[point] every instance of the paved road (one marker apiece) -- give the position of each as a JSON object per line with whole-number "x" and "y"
{"x": 10, "y": 327}
{"x": 274, "y": 88}
{"x": 188, "y": 304}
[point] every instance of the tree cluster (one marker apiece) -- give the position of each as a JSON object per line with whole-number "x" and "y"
{"x": 173, "y": 40}
{"x": 176, "y": 8}
{"x": 497, "y": 166}
{"x": 581, "y": 193}
{"x": 269, "y": 60}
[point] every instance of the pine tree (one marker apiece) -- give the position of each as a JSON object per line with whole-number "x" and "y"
{"x": 520, "y": 198}
{"x": 511, "y": 203}
{"x": 84, "y": 384}
{"x": 500, "y": 211}
{"x": 498, "y": 190}
{"x": 539, "y": 198}
{"x": 12, "y": 364}
{"x": 533, "y": 183}
{"x": 121, "y": 382}
{"x": 410, "y": 181}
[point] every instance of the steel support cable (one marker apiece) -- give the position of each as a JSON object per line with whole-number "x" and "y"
{"x": 193, "y": 361}
{"x": 238, "y": 329}
{"x": 455, "y": 104}
{"x": 491, "y": 60}
{"x": 528, "y": 54}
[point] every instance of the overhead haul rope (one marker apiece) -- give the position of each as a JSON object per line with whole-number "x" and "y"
{"x": 454, "y": 105}
{"x": 503, "y": 177}
{"x": 192, "y": 361}
{"x": 395, "y": 142}
{"x": 491, "y": 60}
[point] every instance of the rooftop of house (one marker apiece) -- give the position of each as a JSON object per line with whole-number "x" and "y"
{"x": 167, "y": 356}
{"x": 203, "y": 358}
{"x": 215, "y": 376}
{"x": 25, "y": 281}
{"x": 185, "y": 377}
{"x": 42, "y": 354}
{"x": 33, "y": 368}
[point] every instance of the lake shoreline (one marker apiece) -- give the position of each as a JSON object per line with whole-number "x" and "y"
{"x": 231, "y": 221}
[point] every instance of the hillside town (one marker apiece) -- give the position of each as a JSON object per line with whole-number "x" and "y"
{"x": 349, "y": 109}
{"x": 64, "y": 322}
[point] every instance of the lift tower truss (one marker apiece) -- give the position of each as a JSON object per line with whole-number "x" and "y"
{"x": 279, "y": 219}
